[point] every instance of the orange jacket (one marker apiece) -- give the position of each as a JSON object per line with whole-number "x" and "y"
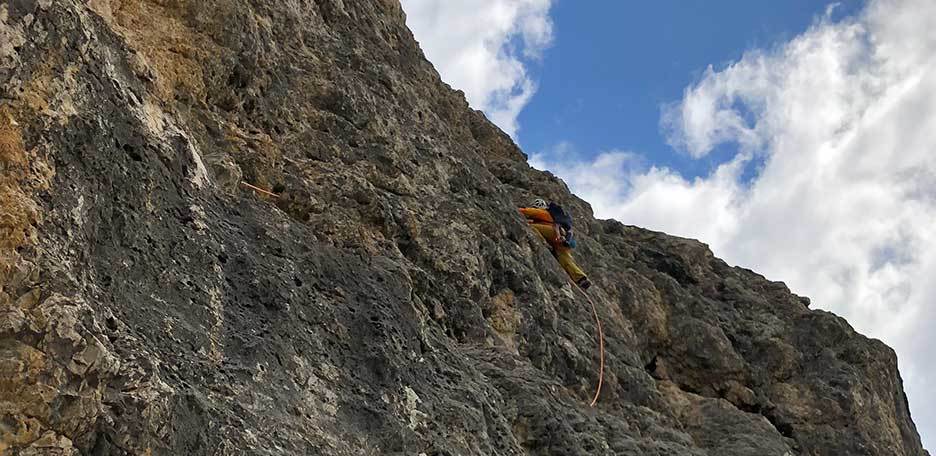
{"x": 536, "y": 215}
{"x": 541, "y": 217}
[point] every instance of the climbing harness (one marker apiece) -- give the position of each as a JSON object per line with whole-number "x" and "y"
{"x": 600, "y": 343}
{"x": 260, "y": 190}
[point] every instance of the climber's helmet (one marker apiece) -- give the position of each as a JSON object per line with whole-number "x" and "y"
{"x": 540, "y": 203}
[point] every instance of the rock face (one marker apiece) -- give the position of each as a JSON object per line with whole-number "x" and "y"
{"x": 390, "y": 300}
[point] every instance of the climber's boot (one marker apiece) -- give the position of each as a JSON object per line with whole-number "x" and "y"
{"x": 583, "y": 283}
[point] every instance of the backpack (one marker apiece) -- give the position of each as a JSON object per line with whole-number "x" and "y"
{"x": 564, "y": 220}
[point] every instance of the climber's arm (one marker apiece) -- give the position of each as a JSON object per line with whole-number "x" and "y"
{"x": 536, "y": 214}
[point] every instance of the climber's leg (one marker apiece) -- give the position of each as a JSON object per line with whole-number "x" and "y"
{"x": 564, "y": 255}
{"x": 547, "y": 231}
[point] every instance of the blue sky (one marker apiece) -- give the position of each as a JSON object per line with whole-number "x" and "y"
{"x": 610, "y": 69}
{"x": 795, "y": 141}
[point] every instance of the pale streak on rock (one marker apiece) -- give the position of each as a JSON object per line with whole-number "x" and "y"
{"x": 161, "y": 126}
{"x": 215, "y": 334}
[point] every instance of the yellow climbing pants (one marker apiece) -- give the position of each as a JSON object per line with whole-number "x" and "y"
{"x": 562, "y": 252}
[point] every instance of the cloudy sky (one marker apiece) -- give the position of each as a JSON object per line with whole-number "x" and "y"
{"x": 793, "y": 137}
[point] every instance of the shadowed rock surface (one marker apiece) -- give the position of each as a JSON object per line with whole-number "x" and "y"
{"x": 391, "y": 300}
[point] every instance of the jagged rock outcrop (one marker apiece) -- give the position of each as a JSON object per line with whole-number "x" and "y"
{"x": 390, "y": 300}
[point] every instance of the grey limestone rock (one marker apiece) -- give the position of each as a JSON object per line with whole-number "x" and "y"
{"x": 389, "y": 299}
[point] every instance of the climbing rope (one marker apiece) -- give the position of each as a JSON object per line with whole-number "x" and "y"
{"x": 260, "y": 190}
{"x": 600, "y": 344}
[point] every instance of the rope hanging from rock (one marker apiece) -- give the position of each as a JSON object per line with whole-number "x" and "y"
{"x": 260, "y": 190}
{"x": 600, "y": 344}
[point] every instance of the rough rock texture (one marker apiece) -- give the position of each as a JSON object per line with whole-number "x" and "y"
{"x": 391, "y": 300}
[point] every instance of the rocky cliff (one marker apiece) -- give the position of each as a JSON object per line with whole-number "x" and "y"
{"x": 389, "y": 300}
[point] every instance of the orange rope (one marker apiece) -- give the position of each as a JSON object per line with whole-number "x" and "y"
{"x": 600, "y": 345}
{"x": 259, "y": 190}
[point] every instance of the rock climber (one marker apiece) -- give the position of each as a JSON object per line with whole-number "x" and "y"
{"x": 550, "y": 221}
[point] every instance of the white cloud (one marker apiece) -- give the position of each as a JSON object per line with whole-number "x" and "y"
{"x": 478, "y": 46}
{"x": 842, "y": 122}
